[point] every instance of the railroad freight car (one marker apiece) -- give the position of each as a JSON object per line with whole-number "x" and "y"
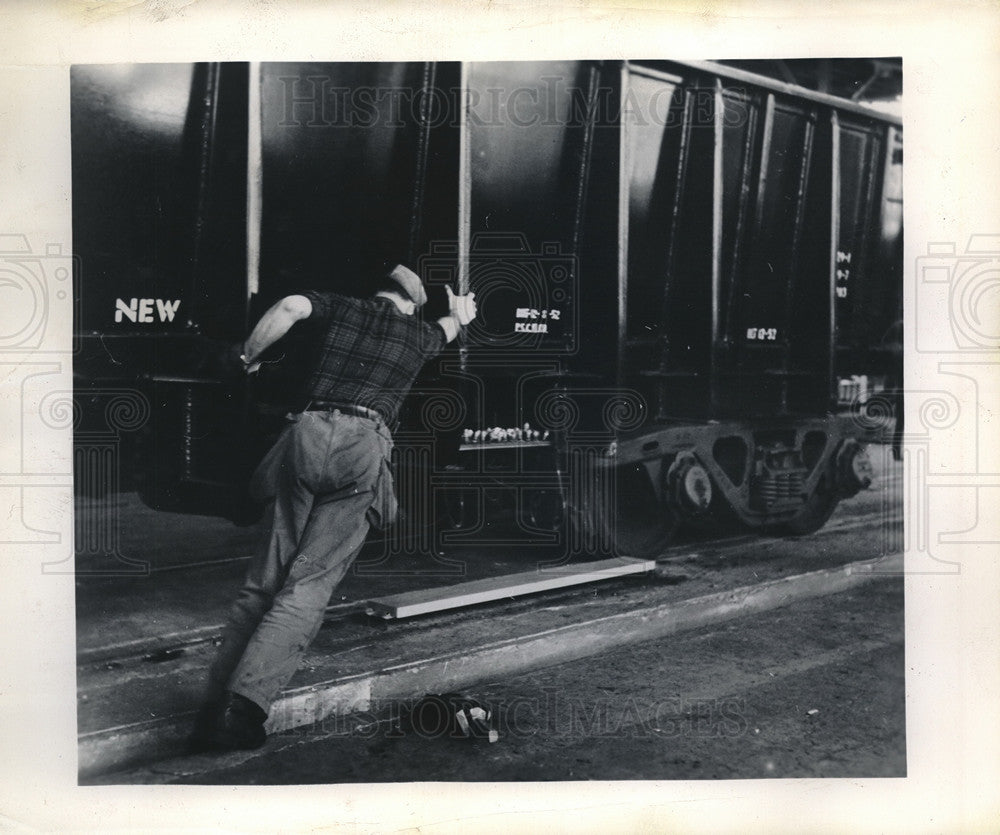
{"x": 679, "y": 266}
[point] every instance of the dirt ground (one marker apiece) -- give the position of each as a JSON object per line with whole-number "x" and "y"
{"x": 814, "y": 689}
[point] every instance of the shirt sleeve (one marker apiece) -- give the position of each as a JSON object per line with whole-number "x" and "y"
{"x": 323, "y": 305}
{"x": 434, "y": 339}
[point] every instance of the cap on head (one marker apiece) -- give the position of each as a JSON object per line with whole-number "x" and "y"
{"x": 410, "y": 284}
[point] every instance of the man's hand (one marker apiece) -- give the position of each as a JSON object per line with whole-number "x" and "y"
{"x": 463, "y": 308}
{"x": 249, "y": 367}
{"x": 226, "y": 361}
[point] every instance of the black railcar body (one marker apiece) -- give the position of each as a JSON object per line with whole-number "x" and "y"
{"x": 684, "y": 272}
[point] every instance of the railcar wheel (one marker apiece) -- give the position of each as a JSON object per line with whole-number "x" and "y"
{"x": 545, "y": 510}
{"x": 643, "y": 525}
{"x": 645, "y": 540}
{"x": 456, "y": 510}
{"x": 816, "y": 512}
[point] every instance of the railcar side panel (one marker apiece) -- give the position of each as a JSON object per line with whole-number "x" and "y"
{"x": 673, "y": 261}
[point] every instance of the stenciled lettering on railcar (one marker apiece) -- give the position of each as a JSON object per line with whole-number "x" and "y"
{"x": 143, "y": 310}
{"x": 843, "y": 275}
{"x": 535, "y": 326}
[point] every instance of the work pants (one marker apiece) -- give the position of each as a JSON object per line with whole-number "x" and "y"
{"x": 326, "y": 479}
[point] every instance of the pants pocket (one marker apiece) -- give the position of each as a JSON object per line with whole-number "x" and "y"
{"x": 264, "y": 483}
{"x": 385, "y": 508}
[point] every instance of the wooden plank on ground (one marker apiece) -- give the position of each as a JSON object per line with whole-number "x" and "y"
{"x": 424, "y": 601}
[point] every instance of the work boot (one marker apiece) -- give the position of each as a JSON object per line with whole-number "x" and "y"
{"x": 237, "y": 724}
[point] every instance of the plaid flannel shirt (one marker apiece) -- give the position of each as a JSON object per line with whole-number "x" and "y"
{"x": 369, "y": 352}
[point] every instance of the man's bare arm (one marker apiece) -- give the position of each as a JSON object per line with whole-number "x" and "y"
{"x": 273, "y": 325}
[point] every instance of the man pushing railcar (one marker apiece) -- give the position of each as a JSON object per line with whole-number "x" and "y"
{"x": 325, "y": 481}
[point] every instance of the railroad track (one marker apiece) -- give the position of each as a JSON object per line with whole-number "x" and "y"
{"x": 681, "y": 557}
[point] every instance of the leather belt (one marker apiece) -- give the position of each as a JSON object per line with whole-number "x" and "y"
{"x": 344, "y": 408}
